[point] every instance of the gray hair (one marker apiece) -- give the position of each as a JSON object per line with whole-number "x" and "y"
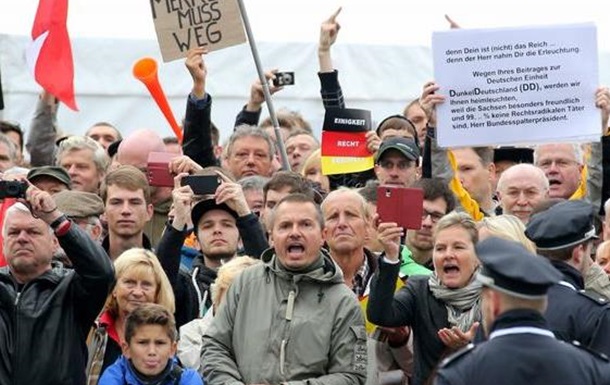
{"x": 579, "y": 154}
{"x": 17, "y": 207}
{"x": 75, "y": 143}
{"x": 16, "y": 170}
{"x": 520, "y": 168}
{"x": 364, "y": 206}
{"x": 12, "y": 148}
{"x": 245, "y": 131}
{"x": 253, "y": 182}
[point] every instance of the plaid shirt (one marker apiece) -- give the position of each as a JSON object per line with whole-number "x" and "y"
{"x": 361, "y": 278}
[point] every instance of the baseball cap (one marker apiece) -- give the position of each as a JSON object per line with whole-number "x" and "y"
{"x": 405, "y": 146}
{"x": 206, "y": 205}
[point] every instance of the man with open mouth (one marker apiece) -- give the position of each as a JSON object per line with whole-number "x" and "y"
{"x": 562, "y": 164}
{"x": 318, "y": 332}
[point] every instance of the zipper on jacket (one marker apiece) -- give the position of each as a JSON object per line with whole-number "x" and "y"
{"x": 17, "y": 298}
{"x": 288, "y": 317}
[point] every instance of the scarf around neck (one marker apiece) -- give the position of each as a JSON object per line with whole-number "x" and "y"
{"x": 463, "y": 305}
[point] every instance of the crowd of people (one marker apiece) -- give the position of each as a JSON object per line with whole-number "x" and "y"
{"x": 290, "y": 276}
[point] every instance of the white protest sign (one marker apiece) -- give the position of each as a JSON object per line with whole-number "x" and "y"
{"x": 185, "y": 24}
{"x": 517, "y": 85}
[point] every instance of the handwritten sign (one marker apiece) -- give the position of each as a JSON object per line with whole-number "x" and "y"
{"x": 185, "y": 24}
{"x": 517, "y": 85}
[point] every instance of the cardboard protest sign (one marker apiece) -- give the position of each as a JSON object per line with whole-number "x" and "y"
{"x": 517, "y": 85}
{"x": 344, "y": 147}
{"x": 185, "y": 24}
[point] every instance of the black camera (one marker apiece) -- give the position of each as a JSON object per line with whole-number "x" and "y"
{"x": 283, "y": 79}
{"x": 13, "y": 189}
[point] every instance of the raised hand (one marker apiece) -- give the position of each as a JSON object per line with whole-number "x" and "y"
{"x": 388, "y": 235}
{"x": 428, "y": 101}
{"x": 257, "y": 96}
{"x": 232, "y": 194}
{"x": 196, "y": 67}
{"x": 329, "y": 31}
{"x": 602, "y": 101}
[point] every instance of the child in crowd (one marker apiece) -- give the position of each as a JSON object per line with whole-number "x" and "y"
{"x": 148, "y": 351}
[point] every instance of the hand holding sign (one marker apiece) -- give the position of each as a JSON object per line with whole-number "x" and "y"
{"x": 344, "y": 141}
{"x": 602, "y": 101}
{"x": 373, "y": 141}
{"x": 428, "y": 101}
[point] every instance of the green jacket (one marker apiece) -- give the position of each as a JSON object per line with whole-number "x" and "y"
{"x": 256, "y": 338}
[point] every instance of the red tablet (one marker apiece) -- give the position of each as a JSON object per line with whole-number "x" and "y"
{"x": 401, "y": 205}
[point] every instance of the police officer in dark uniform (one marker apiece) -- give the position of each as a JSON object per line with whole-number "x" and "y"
{"x": 564, "y": 234}
{"x": 520, "y": 348}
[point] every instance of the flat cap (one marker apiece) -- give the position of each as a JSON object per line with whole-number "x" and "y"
{"x": 507, "y": 266}
{"x": 79, "y": 204}
{"x": 206, "y": 205}
{"x": 563, "y": 225}
{"x": 405, "y": 146}
{"x": 57, "y": 173}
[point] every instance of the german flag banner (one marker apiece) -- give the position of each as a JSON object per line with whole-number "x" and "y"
{"x": 344, "y": 147}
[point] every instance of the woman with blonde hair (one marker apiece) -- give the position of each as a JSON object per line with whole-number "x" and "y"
{"x": 443, "y": 309}
{"x": 189, "y": 345}
{"x": 312, "y": 170}
{"x": 505, "y": 226}
{"x": 139, "y": 279}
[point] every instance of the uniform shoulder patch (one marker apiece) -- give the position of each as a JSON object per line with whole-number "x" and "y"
{"x": 601, "y": 356}
{"x": 457, "y": 355}
{"x": 593, "y": 296}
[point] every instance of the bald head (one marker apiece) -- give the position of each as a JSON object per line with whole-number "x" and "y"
{"x": 602, "y": 256}
{"x": 135, "y": 148}
{"x": 520, "y": 188}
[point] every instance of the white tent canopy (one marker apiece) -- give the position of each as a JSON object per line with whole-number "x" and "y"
{"x": 382, "y": 54}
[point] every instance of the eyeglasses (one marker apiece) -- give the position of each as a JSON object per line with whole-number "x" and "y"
{"x": 434, "y": 216}
{"x": 559, "y": 163}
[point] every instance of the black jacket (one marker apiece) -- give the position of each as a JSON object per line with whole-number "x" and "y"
{"x": 573, "y": 314}
{"x": 197, "y": 143}
{"x": 415, "y": 306}
{"x": 43, "y": 326}
{"x": 188, "y": 297}
{"x": 521, "y": 350}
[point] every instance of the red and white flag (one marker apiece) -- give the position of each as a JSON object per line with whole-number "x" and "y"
{"x": 49, "y": 57}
